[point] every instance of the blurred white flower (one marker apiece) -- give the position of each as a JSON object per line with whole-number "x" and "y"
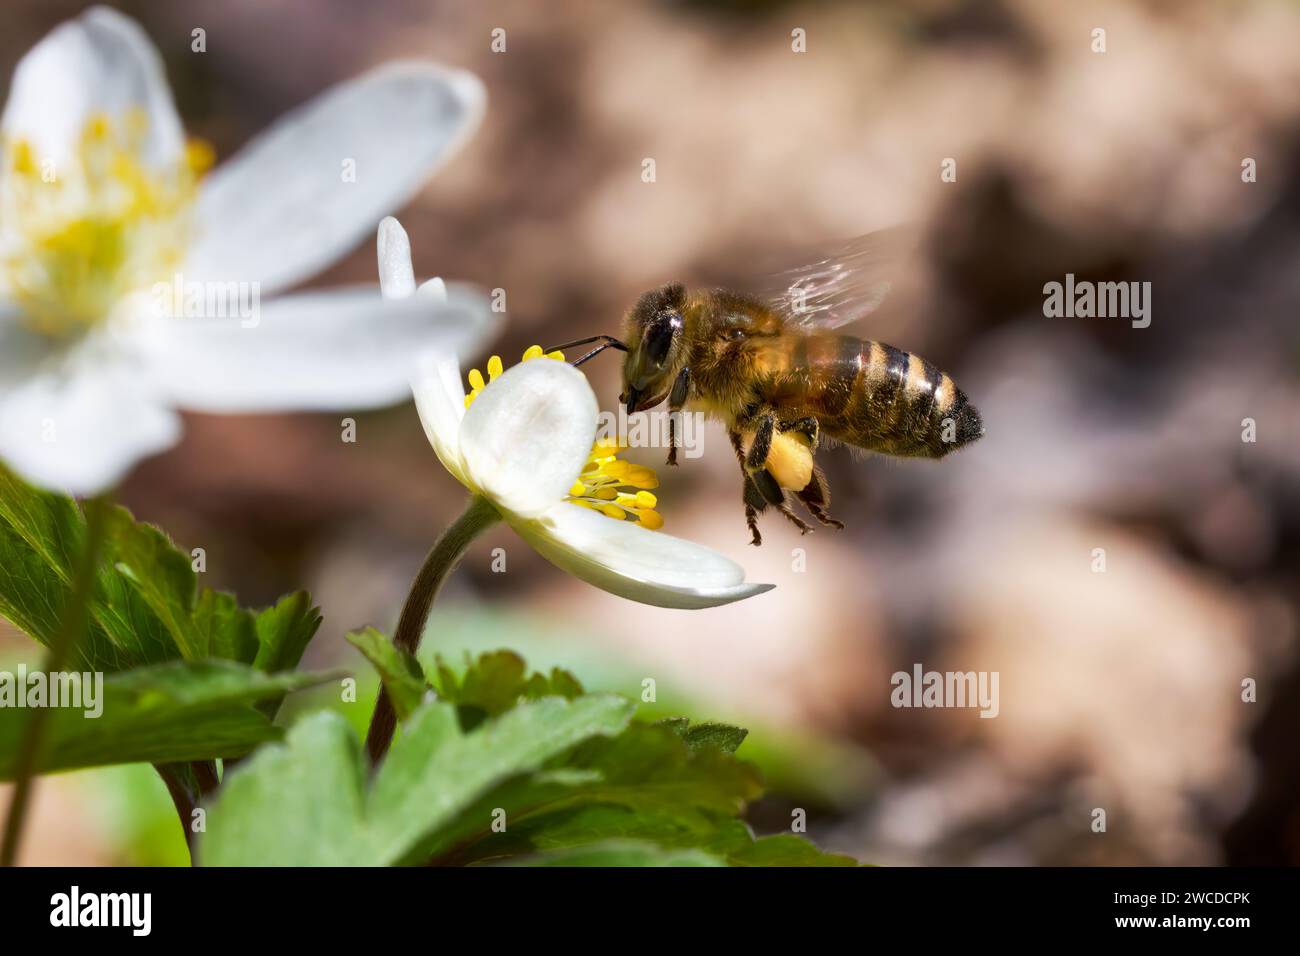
{"x": 131, "y": 286}
{"x": 523, "y": 440}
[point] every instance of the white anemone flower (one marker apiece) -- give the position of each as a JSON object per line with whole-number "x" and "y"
{"x": 524, "y": 442}
{"x": 131, "y": 285}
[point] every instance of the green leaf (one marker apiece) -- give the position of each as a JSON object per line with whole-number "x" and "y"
{"x": 435, "y": 770}
{"x": 174, "y": 712}
{"x": 297, "y": 805}
{"x": 728, "y": 839}
{"x": 399, "y": 671}
{"x": 284, "y": 631}
{"x": 575, "y": 778}
{"x": 608, "y": 788}
{"x": 41, "y": 535}
{"x": 725, "y": 737}
{"x": 162, "y": 577}
{"x": 620, "y": 853}
{"x": 146, "y": 607}
{"x": 305, "y": 803}
{"x": 672, "y": 783}
{"x": 651, "y": 783}
{"x": 784, "y": 849}
{"x": 226, "y": 630}
{"x": 496, "y": 681}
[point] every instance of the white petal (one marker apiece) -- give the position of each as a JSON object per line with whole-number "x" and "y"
{"x": 345, "y": 348}
{"x": 396, "y": 275}
{"x": 440, "y": 400}
{"x": 434, "y": 288}
{"x": 282, "y": 209}
{"x": 528, "y": 434}
{"x": 646, "y": 566}
{"x": 80, "y": 429}
{"x": 21, "y": 350}
{"x": 102, "y": 62}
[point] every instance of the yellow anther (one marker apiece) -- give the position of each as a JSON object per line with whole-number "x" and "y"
{"x": 21, "y": 158}
{"x": 494, "y": 367}
{"x": 641, "y": 477}
{"x": 98, "y": 128}
{"x": 199, "y": 156}
{"x": 536, "y": 351}
{"x": 476, "y": 380}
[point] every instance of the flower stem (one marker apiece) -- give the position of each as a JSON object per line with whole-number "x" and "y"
{"x": 440, "y": 562}
{"x": 71, "y": 626}
{"x": 184, "y": 798}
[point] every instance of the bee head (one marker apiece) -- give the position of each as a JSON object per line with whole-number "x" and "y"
{"x": 654, "y": 335}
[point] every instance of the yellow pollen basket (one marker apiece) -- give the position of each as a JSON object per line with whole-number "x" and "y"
{"x": 82, "y": 234}
{"x": 790, "y": 460}
{"x": 617, "y": 489}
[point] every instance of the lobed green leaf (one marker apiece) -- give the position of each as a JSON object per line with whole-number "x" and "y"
{"x": 173, "y": 712}
{"x": 306, "y": 803}
{"x": 146, "y": 606}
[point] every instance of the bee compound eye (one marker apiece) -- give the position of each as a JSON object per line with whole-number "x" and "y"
{"x": 659, "y": 337}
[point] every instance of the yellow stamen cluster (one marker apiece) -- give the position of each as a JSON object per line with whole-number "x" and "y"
{"x": 84, "y": 232}
{"x": 616, "y": 488}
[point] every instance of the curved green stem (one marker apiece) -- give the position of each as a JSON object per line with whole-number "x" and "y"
{"x": 442, "y": 559}
{"x": 71, "y": 626}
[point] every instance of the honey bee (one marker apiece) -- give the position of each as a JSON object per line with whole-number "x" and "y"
{"x": 772, "y": 367}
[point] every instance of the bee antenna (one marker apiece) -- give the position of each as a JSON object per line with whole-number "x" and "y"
{"x": 607, "y": 342}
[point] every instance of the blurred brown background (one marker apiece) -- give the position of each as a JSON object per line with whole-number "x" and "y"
{"x": 1119, "y": 690}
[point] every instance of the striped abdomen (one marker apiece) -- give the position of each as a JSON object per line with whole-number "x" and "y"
{"x": 878, "y": 397}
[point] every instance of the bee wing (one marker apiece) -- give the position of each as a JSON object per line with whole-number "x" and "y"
{"x": 838, "y": 282}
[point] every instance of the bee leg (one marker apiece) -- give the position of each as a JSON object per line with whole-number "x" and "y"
{"x": 737, "y": 443}
{"x": 757, "y": 475}
{"x": 816, "y": 497}
{"x": 754, "y": 499}
{"x": 755, "y": 504}
{"x": 753, "y": 466}
{"x": 768, "y": 487}
{"x": 762, "y": 490}
{"x": 803, "y": 526}
{"x": 809, "y": 427}
{"x": 676, "y": 401}
{"x": 756, "y": 460}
